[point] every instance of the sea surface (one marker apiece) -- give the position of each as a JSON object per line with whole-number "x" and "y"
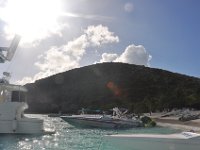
{"x": 68, "y": 137}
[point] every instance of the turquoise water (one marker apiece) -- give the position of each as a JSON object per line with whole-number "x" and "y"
{"x": 68, "y": 137}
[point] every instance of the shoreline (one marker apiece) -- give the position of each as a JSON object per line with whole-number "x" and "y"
{"x": 173, "y": 122}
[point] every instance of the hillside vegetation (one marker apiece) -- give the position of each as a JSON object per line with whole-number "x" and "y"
{"x": 107, "y": 85}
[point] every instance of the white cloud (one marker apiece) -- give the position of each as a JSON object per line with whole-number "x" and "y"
{"x": 128, "y": 7}
{"x": 135, "y": 55}
{"x": 106, "y": 57}
{"x": 132, "y": 55}
{"x": 25, "y": 80}
{"x": 98, "y": 35}
{"x": 66, "y": 57}
{"x": 76, "y": 48}
{"x": 55, "y": 61}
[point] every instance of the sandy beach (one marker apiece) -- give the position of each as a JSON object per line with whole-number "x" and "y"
{"x": 173, "y": 122}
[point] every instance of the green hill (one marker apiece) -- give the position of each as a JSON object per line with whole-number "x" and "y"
{"x": 107, "y": 85}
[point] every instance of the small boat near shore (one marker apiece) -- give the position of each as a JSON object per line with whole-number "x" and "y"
{"x": 102, "y": 121}
{"x": 178, "y": 141}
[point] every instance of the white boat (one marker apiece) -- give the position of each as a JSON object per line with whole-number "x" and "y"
{"x": 179, "y": 141}
{"x": 12, "y": 118}
{"x": 101, "y": 121}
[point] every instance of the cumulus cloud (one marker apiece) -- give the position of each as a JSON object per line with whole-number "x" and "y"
{"x": 98, "y": 35}
{"x": 132, "y": 54}
{"x": 128, "y": 7}
{"x": 66, "y": 57}
{"x": 108, "y": 57}
{"x": 135, "y": 55}
{"x": 55, "y": 61}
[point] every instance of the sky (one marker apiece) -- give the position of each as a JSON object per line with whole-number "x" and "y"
{"x": 60, "y": 35}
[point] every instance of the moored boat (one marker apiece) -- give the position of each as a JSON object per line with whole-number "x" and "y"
{"x": 12, "y": 118}
{"x": 12, "y": 104}
{"x": 102, "y": 121}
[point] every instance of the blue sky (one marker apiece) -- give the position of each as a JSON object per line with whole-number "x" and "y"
{"x": 69, "y": 34}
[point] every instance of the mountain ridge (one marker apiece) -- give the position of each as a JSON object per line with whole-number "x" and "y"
{"x": 106, "y": 85}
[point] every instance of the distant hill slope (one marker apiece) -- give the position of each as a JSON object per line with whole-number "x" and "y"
{"x": 107, "y": 85}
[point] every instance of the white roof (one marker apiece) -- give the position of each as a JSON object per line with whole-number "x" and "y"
{"x": 12, "y": 87}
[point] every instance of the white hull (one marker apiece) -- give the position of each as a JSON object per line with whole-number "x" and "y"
{"x": 24, "y": 126}
{"x": 12, "y": 120}
{"x": 151, "y": 142}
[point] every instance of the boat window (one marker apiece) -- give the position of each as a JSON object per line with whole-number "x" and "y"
{"x": 18, "y": 96}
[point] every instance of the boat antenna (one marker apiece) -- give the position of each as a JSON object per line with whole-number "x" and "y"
{"x": 10, "y": 50}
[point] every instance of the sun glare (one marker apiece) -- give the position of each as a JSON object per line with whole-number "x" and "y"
{"x": 32, "y": 19}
